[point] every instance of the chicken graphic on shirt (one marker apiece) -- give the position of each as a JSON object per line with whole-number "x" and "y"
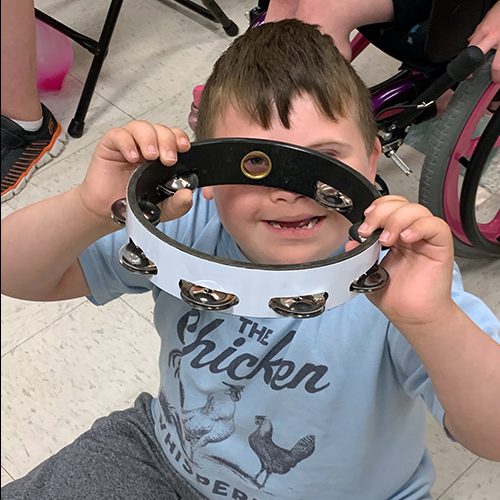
{"x": 273, "y": 458}
{"x": 211, "y": 423}
{"x": 214, "y": 421}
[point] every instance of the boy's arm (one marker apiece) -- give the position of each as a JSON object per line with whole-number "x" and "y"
{"x": 463, "y": 362}
{"x": 42, "y": 242}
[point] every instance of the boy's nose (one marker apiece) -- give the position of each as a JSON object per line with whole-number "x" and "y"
{"x": 283, "y": 195}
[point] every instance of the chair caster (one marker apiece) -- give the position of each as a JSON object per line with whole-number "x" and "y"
{"x": 75, "y": 128}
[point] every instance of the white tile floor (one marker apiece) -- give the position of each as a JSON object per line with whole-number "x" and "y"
{"x": 65, "y": 364}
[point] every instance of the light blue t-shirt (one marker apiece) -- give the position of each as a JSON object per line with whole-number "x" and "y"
{"x": 330, "y": 407}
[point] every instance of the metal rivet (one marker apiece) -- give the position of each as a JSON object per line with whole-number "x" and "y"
{"x": 201, "y": 297}
{"x": 302, "y": 306}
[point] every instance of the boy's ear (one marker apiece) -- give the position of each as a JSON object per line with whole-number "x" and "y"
{"x": 208, "y": 193}
{"x": 373, "y": 159}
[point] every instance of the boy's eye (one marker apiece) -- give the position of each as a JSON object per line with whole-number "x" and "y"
{"x": 256, "y": 165}
{"x": 331, "y": 153}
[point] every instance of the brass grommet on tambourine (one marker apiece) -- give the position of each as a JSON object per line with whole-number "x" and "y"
{"x": 248, "y": 289}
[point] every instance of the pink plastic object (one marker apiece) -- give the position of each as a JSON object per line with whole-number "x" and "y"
{"x": 54, "y": 57}
{"x": 193, "y": 115}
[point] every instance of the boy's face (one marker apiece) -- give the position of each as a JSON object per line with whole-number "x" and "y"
{"x": 274, "y": 226}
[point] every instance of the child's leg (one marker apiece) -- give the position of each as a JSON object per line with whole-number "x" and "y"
{"x": 20, "y": 100}
{"x": 119, "y": 457}
{"x": 338, "y": 18}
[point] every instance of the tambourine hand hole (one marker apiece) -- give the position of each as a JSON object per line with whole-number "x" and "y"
{"x": 133, "y": 259}
{"x": 184, "y": 181}
{"x": 256, "y": 165}
{"x": 373, "y": 280}
{"x": 119, "y": 211}
{"x": 201, "y": 297}
{"x": 331, "y": 198}
{"x": 302, "y": 306}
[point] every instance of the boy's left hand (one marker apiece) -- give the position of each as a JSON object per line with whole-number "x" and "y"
{"x": 419, "y": 263}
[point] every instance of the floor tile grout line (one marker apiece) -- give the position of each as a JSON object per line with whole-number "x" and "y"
{"x": 458, "y": 478}
{"x": 8, "y": 473}
{"x": 43, "y": 329}
{"x": 149, "y": 320}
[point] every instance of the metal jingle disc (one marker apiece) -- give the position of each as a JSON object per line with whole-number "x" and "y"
{"x": 119, "y": 211}
{"x": 373, "y": 280}
{"x": 331, "y": 198}
{"x": 186, "y": 181}
{"x": 302, "y": 306}
{"x": 133, "y": 259}
{"x": 201, "y": 297}
{"x": 150, "y": 211}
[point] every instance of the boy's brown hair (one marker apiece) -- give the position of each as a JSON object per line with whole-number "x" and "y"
{"x": 266, "y": 67}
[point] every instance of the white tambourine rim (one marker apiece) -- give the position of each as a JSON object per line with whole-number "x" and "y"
{"x": 254, "y": 285}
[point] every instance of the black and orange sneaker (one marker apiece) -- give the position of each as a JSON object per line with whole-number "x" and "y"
{"x": 23, "y": 152}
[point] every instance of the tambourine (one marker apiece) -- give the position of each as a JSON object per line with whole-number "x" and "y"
{"x": 245, "y": 288}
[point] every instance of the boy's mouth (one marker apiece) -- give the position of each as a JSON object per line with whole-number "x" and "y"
{"x": 303, "y": 224}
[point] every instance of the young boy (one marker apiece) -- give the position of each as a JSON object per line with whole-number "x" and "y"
{"x": 326, "y": 407}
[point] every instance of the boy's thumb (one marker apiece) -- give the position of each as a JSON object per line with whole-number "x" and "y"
{"x": 177, "y": 205}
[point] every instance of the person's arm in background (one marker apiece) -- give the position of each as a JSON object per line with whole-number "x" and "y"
{"x": 487, "y": 37}
{"x": 338, "y": 18}
{"x": 41, "y": 243}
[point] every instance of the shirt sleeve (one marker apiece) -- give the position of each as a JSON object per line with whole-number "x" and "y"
{"x": 108, "y": 279}
{"x": 409, "y": 369}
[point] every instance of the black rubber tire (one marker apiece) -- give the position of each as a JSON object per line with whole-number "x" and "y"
{"x": 442, "y": 142}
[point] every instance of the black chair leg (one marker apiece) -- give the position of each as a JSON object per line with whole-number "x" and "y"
{"x": 230, "y": 27}
{"x": 212, "y": 11}
{"x": 98, "y": 48}
{"x": 77, "y": 124}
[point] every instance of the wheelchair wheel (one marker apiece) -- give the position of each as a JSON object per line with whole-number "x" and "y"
{"x": 462, "y": 144}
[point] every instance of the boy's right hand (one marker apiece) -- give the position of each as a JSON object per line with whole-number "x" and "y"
{"x": 119, "y": 153}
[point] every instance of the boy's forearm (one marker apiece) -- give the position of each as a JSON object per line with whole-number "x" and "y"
{"x": 41, "y": 245}
{"x": 463, "y": 363}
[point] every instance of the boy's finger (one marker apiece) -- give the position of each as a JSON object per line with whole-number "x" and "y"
{"x": 183, "y": 142}
{"x": 177, "y": 205}
{"x": 117, "y": 144}
{"x": 384, "y": 200}
{"x": 402, "y": 220}
{"x": 146, "y": 138}
{"x": 167, "y": 143}
{"x": 377, "y": 214}
{"x": 430, "y": 229}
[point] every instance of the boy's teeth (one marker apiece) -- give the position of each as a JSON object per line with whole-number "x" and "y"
{"x": 303, "y": 224}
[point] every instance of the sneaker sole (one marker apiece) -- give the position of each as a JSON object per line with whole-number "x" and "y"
{"x": 51, "y": 151}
